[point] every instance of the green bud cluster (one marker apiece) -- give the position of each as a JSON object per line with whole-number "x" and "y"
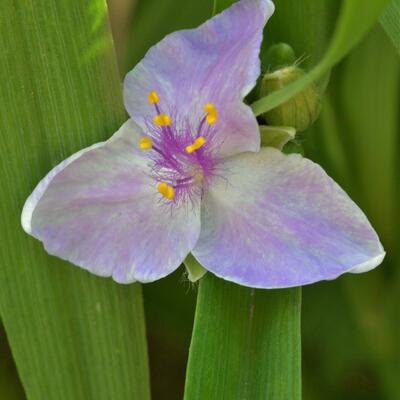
{"x": 301, "y": 111}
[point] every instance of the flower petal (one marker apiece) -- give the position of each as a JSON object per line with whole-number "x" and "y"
{"x": 215, "y": 63}
{"x": 100, "y": 210}
{"x": 279, "y": 221}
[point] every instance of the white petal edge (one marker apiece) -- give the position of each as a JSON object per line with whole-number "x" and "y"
{"x": 368, "y": 265}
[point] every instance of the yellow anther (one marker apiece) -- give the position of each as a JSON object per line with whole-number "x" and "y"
{"x": 166, "y": 190}
{"x": 212, "y": 113}
{"x": 162, "y": 120}
{"x": 145, "y": 143}
{"x": 200, "y": 141}
{"x": 211, "y": 118}
{"x": 209, "y": 108}
{"x": 153, "y": 97}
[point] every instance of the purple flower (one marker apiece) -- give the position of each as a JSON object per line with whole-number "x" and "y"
{"x": 186, "y": 174}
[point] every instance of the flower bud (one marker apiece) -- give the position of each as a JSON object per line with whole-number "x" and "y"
{"x": 301, "y": 110}
{"x": 279, "y": 55}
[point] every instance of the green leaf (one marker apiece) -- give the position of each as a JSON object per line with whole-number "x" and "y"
{"x": 316, "y": 20}
{"x": 245, "y": 344}
{"x": 194, "y": 269}
{"x": 365, "y": 98}
{"x": 355, "y": 19}
{"x": 73, "y": 335}
{"x": 390, "y": 20}
{"x": 356, "y": 141}
{"x": 276, "y": 136}
{"x": 215, "y": 5}
{"x": 10, "y": 387}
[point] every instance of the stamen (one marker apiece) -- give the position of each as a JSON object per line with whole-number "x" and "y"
{"x": 166, "y": 190}
{"x": 200, "y": 141}
{"x": 183, "y": 181}
{"x": 145, "y": 143}
{"x": 153, "y": 97}
{"x": 178, "y": 176}
{"x": 162, "y": 120}
{"x": 212, "y": 113}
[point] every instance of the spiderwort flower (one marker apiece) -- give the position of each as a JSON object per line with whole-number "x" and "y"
{"x": 186, "y": 174}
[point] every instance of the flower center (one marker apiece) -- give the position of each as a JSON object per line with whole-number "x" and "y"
{"x": 180, "y": 151}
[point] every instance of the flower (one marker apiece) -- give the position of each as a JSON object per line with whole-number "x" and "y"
{"x": 186, "y": 174}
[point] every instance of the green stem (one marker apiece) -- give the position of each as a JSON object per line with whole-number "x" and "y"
{"x": 245, "y": 344}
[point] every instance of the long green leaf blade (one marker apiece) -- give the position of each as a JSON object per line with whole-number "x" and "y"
{"x": 355, "y": 140}
{"x": 10, "y": 386}
{"x": 390, "y": 20}
{"x": 355, "y": 20}
{"x": 73, "y": 335}
{"x": 246, "y": 343}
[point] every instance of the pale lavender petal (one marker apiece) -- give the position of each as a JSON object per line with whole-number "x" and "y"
{"x": 217, "y": 62}
{"x": 100, "y": 210}
{"x": 279, "y": 221}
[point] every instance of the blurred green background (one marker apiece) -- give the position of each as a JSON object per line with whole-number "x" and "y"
{"x": 350, "y": 327}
